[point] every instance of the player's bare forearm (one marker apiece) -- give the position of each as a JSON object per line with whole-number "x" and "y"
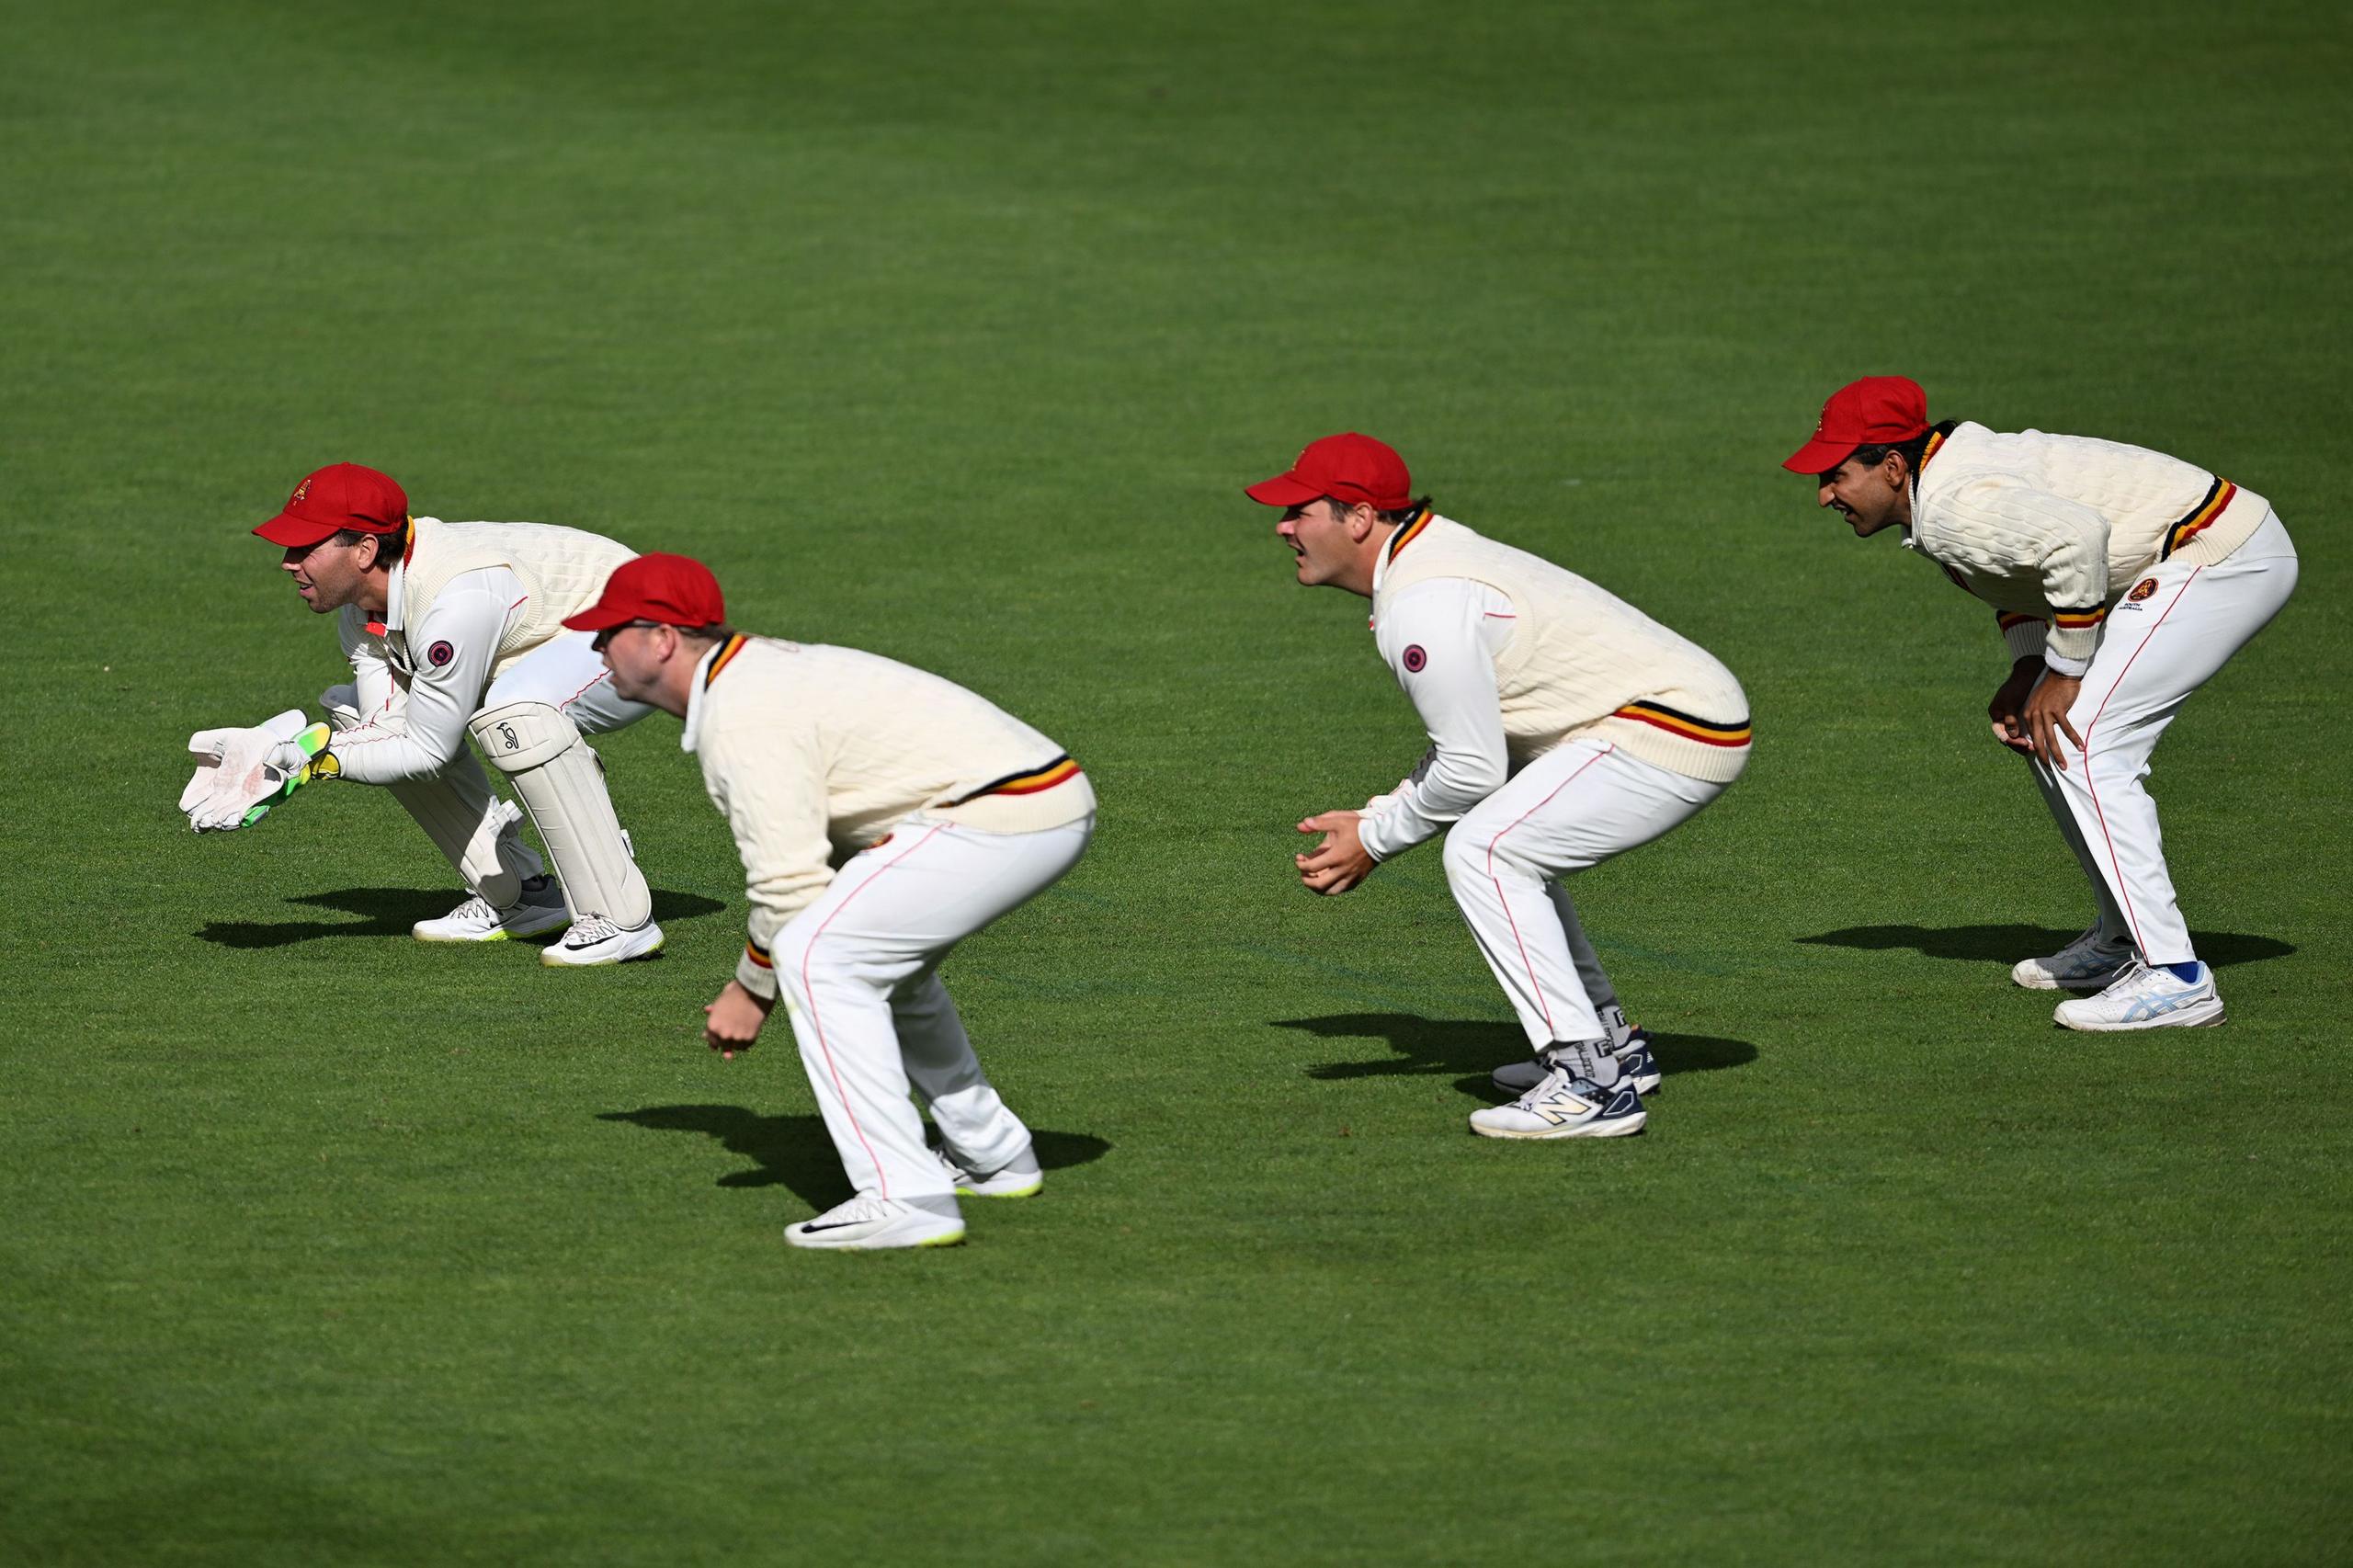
{"x": 732, "y": 1021}
{"x": 1340, "y": 861}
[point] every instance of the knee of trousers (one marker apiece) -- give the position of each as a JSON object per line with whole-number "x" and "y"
{"x": 2100, "y": 767}
{"x": 1474, "y": 854}
{"x": 342, "y": 705}
{"x": 519, "y": 736}
{"x": 806, "y": 960}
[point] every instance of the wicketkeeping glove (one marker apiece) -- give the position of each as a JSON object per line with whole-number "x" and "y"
{"x": 242, "y": 773}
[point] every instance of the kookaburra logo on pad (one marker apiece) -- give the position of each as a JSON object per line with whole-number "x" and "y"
{"x": 506, "y": 733}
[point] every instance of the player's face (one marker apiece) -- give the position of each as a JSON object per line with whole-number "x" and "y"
{"x": 1319, "y": 537}
{"x": 1869, "y": 498}
{"x": 328, "y": 574}
{"x": 635, "y": 653}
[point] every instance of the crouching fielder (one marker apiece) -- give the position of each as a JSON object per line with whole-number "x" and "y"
{"x": 454, "y": 631}
{"x": 940, "y": 812}
{"x": 1565, "y": 727}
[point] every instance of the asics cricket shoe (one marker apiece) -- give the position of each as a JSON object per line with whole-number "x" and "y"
{"x": 2147, "y": 998}
{"x": 870, "y": 1223}
{"x": 2088, "y": 964}
{"x": 1634, "y": 1061}
{"x": 594, "y": 939}
{"x": 1021, "y": 1177}
{"x": 1563, "y": 1106}
{"x": 477, "y": 920}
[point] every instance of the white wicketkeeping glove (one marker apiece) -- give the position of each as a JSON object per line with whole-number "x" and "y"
{"x": 241, "y": 773}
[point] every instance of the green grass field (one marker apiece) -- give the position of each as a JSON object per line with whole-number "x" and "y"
{"x": 952, "y": 331}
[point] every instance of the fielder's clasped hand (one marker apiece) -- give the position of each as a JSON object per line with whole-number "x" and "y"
{"x": 733, "y": 1019}
{"x": 1340, "y": 861}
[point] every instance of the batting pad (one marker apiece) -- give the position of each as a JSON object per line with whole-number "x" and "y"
{"x": 563, "y": 786}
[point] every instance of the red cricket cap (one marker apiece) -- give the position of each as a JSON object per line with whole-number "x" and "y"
{"x": 338, "y": 496}
{"x": 676, "y": 590}
{"x": 1875, "y": 411}
{"x": 1350, "y": 468}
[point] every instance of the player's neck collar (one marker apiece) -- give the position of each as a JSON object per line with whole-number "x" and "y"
{"x": 720, "y": 657}
{"x": 1407, "y": 534}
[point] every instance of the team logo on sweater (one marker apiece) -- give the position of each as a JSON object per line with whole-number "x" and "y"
{"x": 1415, "y": 658}
{"x": 2143, "y": 589}
{"x": 440, "y": 655}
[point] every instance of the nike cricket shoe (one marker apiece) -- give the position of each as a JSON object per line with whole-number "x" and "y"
{"x": 1634, "y": 1061}
{"x": 2088, "y": 963}
{"x": 594, "y": 939}
{"x": 1020, "y": 1178}
{"x": 1563, "y": 1106}
{"x": 2147, "y": 998}
{"x": 868, "y": 1223}
{"x": 478, "y": 920}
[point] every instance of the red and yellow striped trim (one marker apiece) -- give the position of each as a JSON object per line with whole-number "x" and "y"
{"x": 1936, "y": 441}
{"x": 2078, "y": 620}
{"x": 2219, "y": 496}
{"x": 1409, "y": 533}
{"x": 1683, "y": 724}
{"x": 1062, "y": 771}
{"x": 759, "y": 960}
{"x": 719, "y": 661}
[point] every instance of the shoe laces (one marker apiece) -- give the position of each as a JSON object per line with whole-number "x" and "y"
{"x": 590, "y": 930}
{"x": 473, "y": 909}
{"x": 858, "y": 1210}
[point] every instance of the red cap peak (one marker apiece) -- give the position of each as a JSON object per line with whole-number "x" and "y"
{"x": 676, "y": 590}
{"x": 1875, "y": 411}
{"x": 1350, "y": 468}
{"x": 338, "y": 496}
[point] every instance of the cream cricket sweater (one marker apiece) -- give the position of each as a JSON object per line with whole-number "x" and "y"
{"x": 2051, "y": 531}
{"x": 562, "y": 571}
{"x": 814, "y": 753}
{"x": 1581, "y": 661}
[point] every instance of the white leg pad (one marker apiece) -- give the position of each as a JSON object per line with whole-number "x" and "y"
{"x": 563, "y": 786}
{"x": 477, "y": 833}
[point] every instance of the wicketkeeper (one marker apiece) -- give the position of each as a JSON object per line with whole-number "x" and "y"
{"x": 455, "y": 631}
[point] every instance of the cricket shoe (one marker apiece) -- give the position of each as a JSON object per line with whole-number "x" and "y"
{"x": 477, "y": 920}
{"x": 869, "y": 1223}
{"x": 1634, "y": 1061}
{"x": 2147, "y": 998}
{"x": 2088, "y": 964}
{"x": 1022, "y": 1176}
{"x": 594, "y": 939}
{"x": 1563, "y": 1106}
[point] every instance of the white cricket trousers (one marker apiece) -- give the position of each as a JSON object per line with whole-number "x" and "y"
{"x": 2155, "y": 648}
{"x": 858, "y": 970}
{"x": 1576, "y": 806}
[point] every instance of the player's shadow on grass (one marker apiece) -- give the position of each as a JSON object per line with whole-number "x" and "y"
{"x": 793, "y": 1151}
{"x": 2007, "y": 944}
{"x": 1477, "y": 1049}
{"x": 390, "y": 911}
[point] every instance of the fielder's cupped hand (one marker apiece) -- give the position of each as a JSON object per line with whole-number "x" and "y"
{"x": 1339, "y": 862}
{"x": 2007, "y": 710}
{"x": 732, "y": 1020}
{"x": 236, "y": 769}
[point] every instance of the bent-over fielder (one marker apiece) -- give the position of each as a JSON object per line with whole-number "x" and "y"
{"x": 884, "y": 815}
{"x": 1565, "y": 727}
{"x": 2122, "y": 580}
{"x": 455, "y": 630}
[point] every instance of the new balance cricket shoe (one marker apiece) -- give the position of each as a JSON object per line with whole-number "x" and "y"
{"x": 596, "y": 940}
{"x": 1020, "y": 1178}
{"x": 1563, "y": 1106}
{"x": 868, "y": 1223}
{"x": 478, "y": 920}
{"x": 2088, "y": 964}
{"x": 1634, "y": 1061}
{"x": 2147, "y": 998}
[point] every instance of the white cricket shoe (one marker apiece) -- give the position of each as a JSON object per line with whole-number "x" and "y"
{"x": 868, "y": 1223}
{"x": 1020, "y": 1178}
{"x": 596, "y": 941}
{"x": 477, "y": 920}
{"x": 2088, "y": 964}
{"x": 1634, "y": 1061}
{"x": 1563, "y": 1106}
{"x": 2147, "y": 998}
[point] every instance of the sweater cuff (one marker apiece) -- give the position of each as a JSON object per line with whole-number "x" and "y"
{"x": 756, "y": 972}
{"x": 2025, "y": 634}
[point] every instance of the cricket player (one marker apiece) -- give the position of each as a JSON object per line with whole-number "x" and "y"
{"x": 884, "y": 815}
{"x": 2122, "y": 580}
{"x": 1565, "y": 727}
{"x": 454, "y": 631}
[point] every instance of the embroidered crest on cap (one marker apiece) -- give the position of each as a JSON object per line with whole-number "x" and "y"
{"x": 440, "y": 653}
{"x": 1415, "y": 659}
